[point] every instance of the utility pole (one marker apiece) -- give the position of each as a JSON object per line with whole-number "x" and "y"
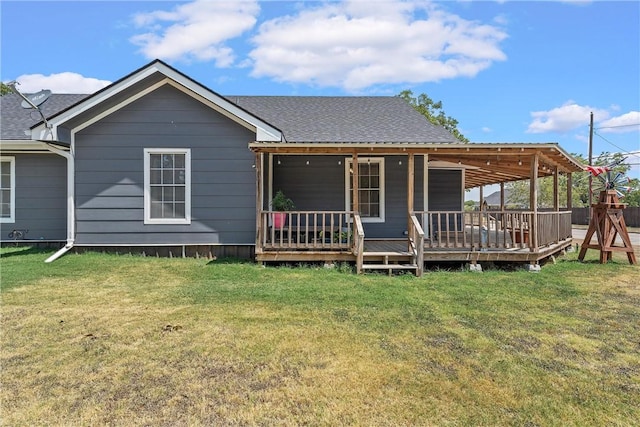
{"x": 590, "y": 160}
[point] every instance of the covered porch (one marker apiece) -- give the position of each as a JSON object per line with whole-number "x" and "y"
{"x": 436, "y": 227}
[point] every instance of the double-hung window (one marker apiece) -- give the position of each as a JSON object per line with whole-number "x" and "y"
{"x": 167, "y": 186}
{"x": 370, "y": 188}
{"x": 7, "y": 189}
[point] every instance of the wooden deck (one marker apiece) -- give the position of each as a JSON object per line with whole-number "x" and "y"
{"x": 519, "y": 237}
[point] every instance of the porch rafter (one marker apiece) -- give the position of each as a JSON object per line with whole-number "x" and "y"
{"x": 491, "y": 163}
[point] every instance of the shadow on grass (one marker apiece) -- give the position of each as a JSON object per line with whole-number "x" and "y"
{"x": 10, "y": 251}
{"x": 229, "y": 260}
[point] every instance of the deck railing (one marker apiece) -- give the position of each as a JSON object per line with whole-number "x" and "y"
{"x": 481, "y": 230}
{"x": 472, "y": 231}
{"x": 307, "y": 230}
{"x": 553, "y": 227}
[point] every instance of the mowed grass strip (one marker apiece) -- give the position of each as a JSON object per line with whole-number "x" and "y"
{"x": 99, "y": 339}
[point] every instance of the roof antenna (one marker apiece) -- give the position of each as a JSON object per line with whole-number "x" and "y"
{"x": 32, "y": 101}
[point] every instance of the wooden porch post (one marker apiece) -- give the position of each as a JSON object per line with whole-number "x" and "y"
{"x": 569, "y": 191}
{"x": 259, "y": 201}
{"x": 411, "y": 178}
{"x": 502, "y": 196}
{"x": 533, "y": 202}
{"x": 481, "y": 212}
{"x": 556, "y": 192}
{"x": 556, "y": 202}
{"x": 354, "y": 179}
{"x": 410, "y": 190}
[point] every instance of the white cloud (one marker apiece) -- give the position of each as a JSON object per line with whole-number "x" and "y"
{"x": 628, "y": 122}
{"x": 565, "y": 118}
{"x": 358, "y": 44}
{"x": 66, "y": 82}
{"x": 195, "y": 31}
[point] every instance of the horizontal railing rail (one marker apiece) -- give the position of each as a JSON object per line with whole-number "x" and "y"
{"x": 321, "y": 230}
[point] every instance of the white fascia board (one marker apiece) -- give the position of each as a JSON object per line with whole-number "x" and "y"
{"x": 40, "y": 131}
{"x": 267, "y": 135}
{"x": 263, "y": 130}
{"x": 23, "y": 145}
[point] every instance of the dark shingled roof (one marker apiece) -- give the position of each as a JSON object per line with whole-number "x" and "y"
{"x": 300, "y": 118}
{"x": 17, "y": 120}
{"x": 344, "y": 119}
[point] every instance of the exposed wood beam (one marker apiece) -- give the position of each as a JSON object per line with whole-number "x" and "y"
{"x": 569, "y": 191}
{"x": 411, "y": 178}
{"x": 410, "y": 181}
{"x": 354, "y": 180}
{"x": 259, "y": 199}
{"x": 533, "y": 200}
{"x": 556, "y": 192}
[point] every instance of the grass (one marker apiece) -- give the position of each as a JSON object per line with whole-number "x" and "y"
{"x": 98, "y": 339}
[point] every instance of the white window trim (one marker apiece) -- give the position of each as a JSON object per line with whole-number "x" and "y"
{"x": 12, "y": 169}
{"x": 347, "y": 185}
{"x": 147, "y": 186}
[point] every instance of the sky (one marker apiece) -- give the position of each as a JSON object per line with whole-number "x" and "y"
{"x": 508, "y": 71}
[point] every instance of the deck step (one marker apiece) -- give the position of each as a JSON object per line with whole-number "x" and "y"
{"x": 389, "y": 253}
{"x": 389, "y": 267}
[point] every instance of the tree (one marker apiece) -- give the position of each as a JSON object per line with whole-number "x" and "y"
{"x": 519, "y": 190}
{"x": 4, "y": 89}
{"x": 433, "y": 112}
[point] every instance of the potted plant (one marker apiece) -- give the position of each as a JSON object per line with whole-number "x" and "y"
{"x": 281, "y": 204}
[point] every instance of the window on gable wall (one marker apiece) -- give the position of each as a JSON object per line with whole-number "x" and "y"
{"x": 167, "y": 186}
{"x": 370, "y": 188}
{"x": 7, "y": 189}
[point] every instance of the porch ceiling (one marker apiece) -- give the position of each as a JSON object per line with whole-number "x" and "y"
{"x": 488, "y": 163}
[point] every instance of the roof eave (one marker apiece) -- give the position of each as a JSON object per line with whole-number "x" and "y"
{"x": 28, "y": 145}
{"x": 264, "y": 130}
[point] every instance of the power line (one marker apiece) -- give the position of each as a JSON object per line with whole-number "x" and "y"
{"x": 623, "y": 151}
{"x": 619, "y": 126}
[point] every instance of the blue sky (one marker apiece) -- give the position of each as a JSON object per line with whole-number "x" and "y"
{"x": 508, "y": 71}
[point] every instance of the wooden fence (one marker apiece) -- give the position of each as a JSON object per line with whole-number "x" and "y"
{"x": 580, "y": 216}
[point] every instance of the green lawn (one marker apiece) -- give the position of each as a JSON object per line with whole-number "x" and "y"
{"x": 98, "y": 339}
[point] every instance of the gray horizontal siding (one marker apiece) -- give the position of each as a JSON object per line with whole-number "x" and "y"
{"x": 446, "y": 194}
{"x": 41, "y": 197}
{"x": 445, "y": 190}
{"x": 320, "y": 185}
{"x": 316, "y": 186}
{"x": 110, "y": 174}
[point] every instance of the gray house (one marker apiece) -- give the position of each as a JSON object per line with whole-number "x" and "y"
{"x": 158, "y": 162}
